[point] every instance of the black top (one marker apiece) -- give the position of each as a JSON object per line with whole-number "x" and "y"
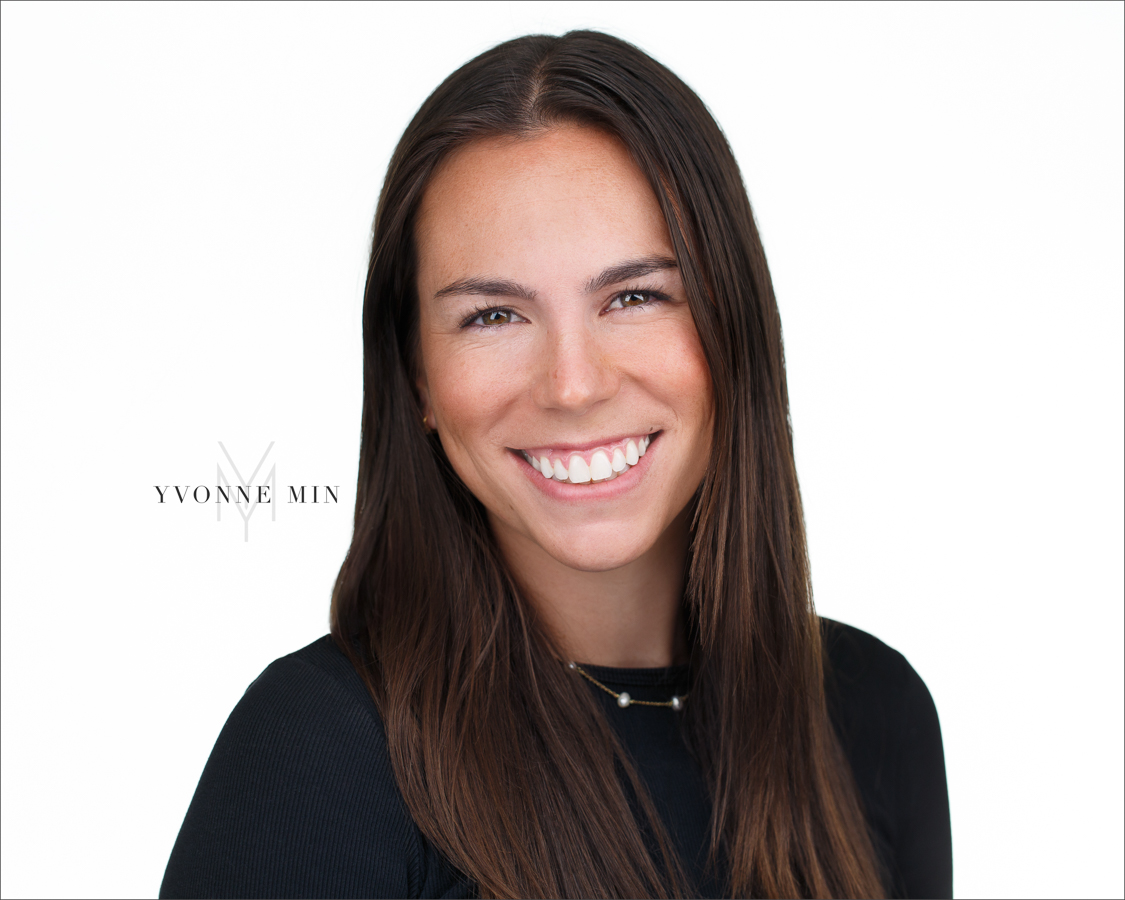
{"x": 298, "y": 798}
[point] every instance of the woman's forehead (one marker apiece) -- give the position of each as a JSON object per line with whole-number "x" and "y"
{"x": 572, "y": 190}
{"x": 566, "y": 199}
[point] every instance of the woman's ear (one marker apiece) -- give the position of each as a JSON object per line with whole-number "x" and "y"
{"x": 424, "y": 400}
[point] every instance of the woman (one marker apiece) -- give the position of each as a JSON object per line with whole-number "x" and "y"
{"x": 573, "y": 646}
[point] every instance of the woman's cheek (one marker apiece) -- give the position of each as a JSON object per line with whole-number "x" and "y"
{"x": 473, "y": 384}
{"x": 683, "y": 376}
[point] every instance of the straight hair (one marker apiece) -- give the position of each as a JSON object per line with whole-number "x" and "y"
{"x": 505, "y": 761}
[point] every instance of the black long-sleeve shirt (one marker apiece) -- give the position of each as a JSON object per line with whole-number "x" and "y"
{"x": 298, "y": 798}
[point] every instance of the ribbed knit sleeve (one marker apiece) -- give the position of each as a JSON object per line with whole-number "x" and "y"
{"x": 889, "y": 729}
{"x": 298, "y": 798}
{"x": 924, "y": 847}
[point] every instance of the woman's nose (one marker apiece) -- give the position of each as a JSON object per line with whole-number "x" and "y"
{"x": 575, "y": 373}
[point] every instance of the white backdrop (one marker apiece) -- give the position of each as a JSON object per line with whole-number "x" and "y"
{"x": 187, "y": 194}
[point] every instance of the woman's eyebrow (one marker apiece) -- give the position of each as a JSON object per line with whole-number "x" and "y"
{"x": 501, "y": 287}
{"x": 633, "y": 268}
{"x": 486, "y": 287}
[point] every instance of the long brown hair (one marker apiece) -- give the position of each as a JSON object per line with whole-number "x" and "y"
{"x": 504, "y": 760}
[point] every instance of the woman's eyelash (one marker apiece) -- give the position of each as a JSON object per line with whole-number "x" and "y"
{"x": 649, "y": 295}
{"x": 481, "y": 311}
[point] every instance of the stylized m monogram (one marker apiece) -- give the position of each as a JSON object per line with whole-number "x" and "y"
{"x": 245, "y": 500}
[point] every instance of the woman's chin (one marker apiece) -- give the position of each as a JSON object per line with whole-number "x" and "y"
{"x": 592, "y": 551}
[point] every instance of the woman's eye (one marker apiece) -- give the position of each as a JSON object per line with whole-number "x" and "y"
{"x": 493, "y": 317}
{"x": 630, "y": 299}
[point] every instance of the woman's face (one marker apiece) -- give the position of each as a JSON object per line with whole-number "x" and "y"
{"x": 560, "y": 363}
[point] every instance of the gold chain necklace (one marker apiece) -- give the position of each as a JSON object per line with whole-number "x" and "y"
{"x": 623, "y": 699}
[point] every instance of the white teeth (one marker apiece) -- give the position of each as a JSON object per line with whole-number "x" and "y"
{"x": 600, "y": 468}
{"x": 579, "y": 472}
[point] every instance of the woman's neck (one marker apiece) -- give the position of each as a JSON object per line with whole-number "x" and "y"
{"x": 629, "y": 617}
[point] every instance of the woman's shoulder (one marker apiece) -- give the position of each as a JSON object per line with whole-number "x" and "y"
{"x": 299, "y": 798}
{"x": 888, "y": 727}
{"x": 875, "y": 696}
{"x": 319, "y": 671}
{"x": 859, "y": 662}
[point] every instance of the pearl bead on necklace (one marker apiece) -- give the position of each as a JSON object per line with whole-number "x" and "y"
{"x": 623, "y": 698}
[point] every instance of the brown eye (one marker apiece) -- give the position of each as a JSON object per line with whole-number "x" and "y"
{"x": 494, "y": 317}
{"x": 630, "y": 299}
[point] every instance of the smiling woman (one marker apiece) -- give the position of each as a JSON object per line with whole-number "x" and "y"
{"x": 573, "y": 647}
{"x": 547, "y": 405}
